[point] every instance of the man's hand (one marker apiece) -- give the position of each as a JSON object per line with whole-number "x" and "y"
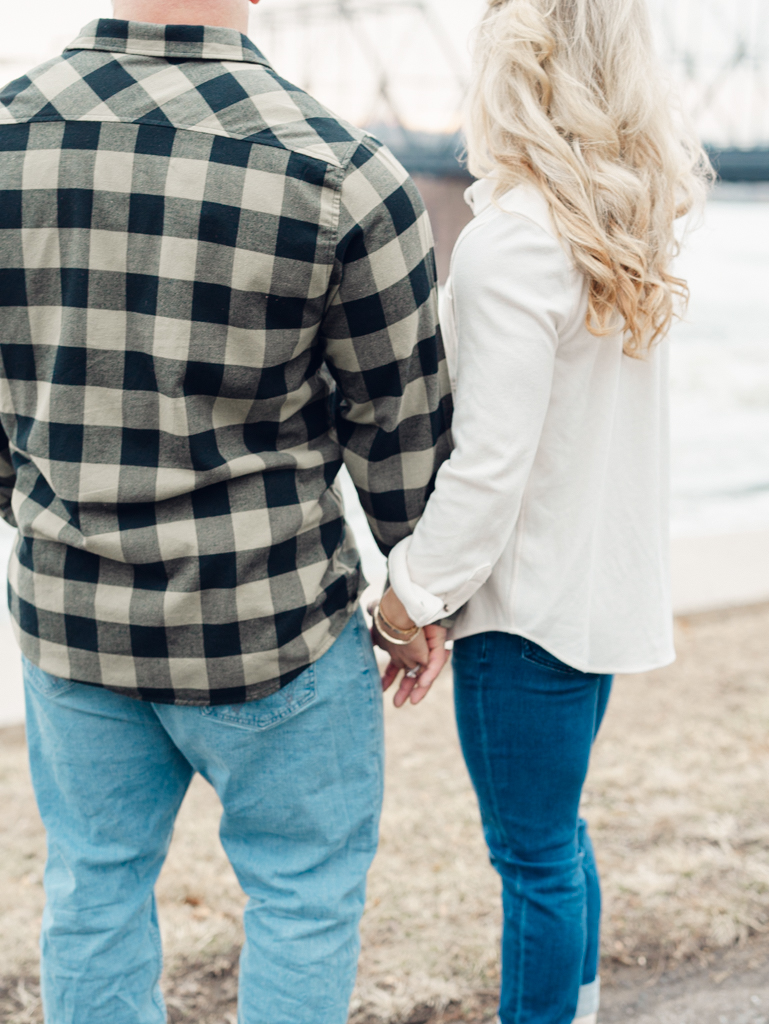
{"x": 417, "y": 687}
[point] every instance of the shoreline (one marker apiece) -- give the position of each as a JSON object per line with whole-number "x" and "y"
{"x": 714, "y": 572}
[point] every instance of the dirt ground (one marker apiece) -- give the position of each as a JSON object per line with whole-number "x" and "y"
{"x": 677, "y": 804}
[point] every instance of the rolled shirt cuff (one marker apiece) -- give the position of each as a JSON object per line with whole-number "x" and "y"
{"x": 423, "y": 606}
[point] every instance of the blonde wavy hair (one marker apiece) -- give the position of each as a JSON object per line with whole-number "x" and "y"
{"x": 567, "y": 94}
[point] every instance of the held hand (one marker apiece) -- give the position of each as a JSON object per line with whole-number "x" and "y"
{"x": 412, "y": 658}
{"x": 421, "y": 660}
{"x": 417, "y": 687}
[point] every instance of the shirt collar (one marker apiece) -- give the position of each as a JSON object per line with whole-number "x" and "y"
{"x": 198, "y": 42}
{"x": 480, "y": 195}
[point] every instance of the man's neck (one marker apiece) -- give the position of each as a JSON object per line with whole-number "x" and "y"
{"x": 224, "y": 13}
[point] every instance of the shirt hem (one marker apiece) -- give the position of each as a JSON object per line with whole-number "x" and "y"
{"x": 254, "y": 691}
{"x": 587, "y": 667}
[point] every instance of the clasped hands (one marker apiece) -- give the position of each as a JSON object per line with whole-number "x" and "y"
{"x": 420, "y": 661}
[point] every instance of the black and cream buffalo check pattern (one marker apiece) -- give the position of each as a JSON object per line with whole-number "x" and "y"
{"x": 212, "y": 294}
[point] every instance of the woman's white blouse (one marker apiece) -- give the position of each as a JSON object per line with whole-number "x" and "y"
{"x": 550, "y": 519}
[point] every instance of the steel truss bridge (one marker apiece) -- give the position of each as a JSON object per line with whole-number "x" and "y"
{"x": 391, "y": 66}
{"x": 718, "y": 54}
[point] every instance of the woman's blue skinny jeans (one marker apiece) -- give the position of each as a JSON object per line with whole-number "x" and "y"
{"x": 527, "y": 723}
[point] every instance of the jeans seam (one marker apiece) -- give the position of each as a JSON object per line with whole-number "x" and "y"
{"x": 377, "y": 724}
{"x": 482, "y": 664}
{"x": 157, "y": 995}
{"x": 360, "y": 633}
{"x": 485, "y": 747}
{"x": 521, "y": 954}
{"x": 373, "y": 694}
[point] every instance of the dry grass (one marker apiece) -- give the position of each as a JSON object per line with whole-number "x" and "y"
{"x": 678, "y": 795}
{"x": 676, "y": 799}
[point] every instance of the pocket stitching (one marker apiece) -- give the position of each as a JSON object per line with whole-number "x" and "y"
{"x": 287, "y": 710}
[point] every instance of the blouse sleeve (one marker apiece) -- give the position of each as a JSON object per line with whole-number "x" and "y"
{"x": 514, "y": 292}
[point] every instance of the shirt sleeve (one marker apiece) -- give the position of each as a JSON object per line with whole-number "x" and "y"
{"x": 7, "y": 480}
{"x": 513, "y": 292}
{"x": 383, "y": 346}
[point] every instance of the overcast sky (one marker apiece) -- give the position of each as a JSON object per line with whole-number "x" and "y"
{"x": 38, "y": 28}
{"x": 33, "y": 31}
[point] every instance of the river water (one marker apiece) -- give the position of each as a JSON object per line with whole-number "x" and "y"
{"x": 720, "y": 380}
{"x": 720, "y": 371}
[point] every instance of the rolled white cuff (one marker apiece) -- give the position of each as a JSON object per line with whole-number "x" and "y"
{"x": 424, "y": 607}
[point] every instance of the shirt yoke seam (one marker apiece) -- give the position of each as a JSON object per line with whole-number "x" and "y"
{"x": 221, "y": 133}
{"x": 335, "y": 181}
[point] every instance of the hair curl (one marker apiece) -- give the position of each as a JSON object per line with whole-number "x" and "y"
{"x": 568, "y": 94}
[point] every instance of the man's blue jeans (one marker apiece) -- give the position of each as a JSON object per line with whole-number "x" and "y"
{"x": 527, "y": 724}
{"x": 300, "y": 779}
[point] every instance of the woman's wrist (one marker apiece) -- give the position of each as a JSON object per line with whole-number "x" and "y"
{"x": 394, "y": 611}
{"x": 390, "y": 633}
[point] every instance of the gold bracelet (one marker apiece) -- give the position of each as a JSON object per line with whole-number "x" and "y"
{"x": 382, "y": 625}
{"x": 393, "y": 630}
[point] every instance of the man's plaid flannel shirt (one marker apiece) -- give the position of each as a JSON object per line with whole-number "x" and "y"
{"x": 212, "y": 293}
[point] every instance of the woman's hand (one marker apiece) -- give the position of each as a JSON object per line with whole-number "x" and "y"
{"x": 417, "y": 687}
{"x": 421, "y": 661}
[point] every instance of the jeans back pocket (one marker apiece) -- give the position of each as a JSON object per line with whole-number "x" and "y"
{"x": 270, "y": 711}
